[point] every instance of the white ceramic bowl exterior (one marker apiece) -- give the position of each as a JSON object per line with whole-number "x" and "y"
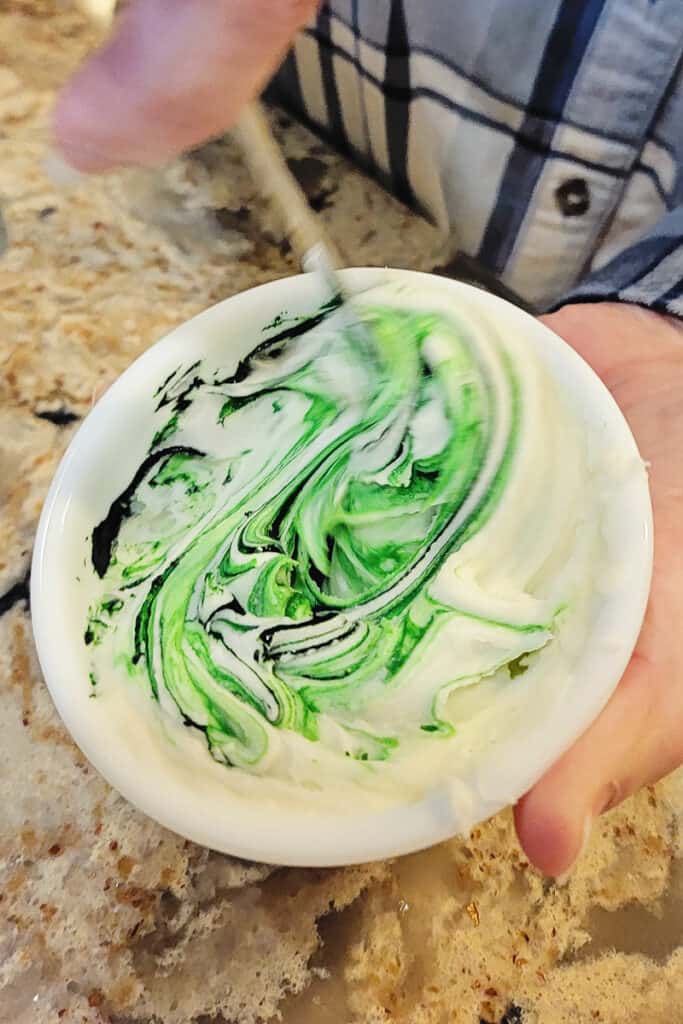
{"x": 197, "y": 803}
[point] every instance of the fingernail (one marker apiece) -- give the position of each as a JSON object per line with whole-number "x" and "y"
{"x": 607, "y": 798}
{"x": 60, "y": 172}
{"x": 567, "y": 873}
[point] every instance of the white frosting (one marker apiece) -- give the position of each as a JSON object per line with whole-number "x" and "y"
{"x": 526, "y": 583}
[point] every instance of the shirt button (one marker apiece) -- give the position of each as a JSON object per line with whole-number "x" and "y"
{"x": 573, "y": 197}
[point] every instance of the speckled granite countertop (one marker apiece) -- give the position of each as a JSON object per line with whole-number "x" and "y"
{"x": 104, "y": 916}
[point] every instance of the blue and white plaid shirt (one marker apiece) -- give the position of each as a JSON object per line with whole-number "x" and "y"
{"x": 546, "y": 135}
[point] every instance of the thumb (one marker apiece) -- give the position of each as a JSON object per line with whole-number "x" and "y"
{"x": 175, "y": 73}
{"x": 636, "y": 740}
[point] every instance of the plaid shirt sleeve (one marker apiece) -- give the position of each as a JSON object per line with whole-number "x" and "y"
{"x": 544, "y": 135}
{"x": 648, "y": 273}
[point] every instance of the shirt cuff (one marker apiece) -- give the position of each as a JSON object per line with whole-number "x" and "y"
{"x": 649, "y": 273}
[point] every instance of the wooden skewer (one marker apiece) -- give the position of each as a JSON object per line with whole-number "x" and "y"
{"x": 280, "y": 187}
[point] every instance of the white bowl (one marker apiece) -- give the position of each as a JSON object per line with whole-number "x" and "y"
{"x": 128, "y": 746}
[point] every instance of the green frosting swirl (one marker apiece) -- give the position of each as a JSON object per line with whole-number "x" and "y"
{"x": 269, "y": 570}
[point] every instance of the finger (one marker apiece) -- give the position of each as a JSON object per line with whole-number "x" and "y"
{"x": 609, "y": 336}
{"x": 175, "y": 73}
{"x": 636, "y": 740}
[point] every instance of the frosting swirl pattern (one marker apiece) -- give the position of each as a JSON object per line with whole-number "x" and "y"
{"x": 328, "y": 543}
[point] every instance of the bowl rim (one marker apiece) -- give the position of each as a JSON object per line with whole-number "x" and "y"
{"x": 290, "y": 836}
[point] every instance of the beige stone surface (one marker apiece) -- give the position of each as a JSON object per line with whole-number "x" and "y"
{"x": 106, "y": 917}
